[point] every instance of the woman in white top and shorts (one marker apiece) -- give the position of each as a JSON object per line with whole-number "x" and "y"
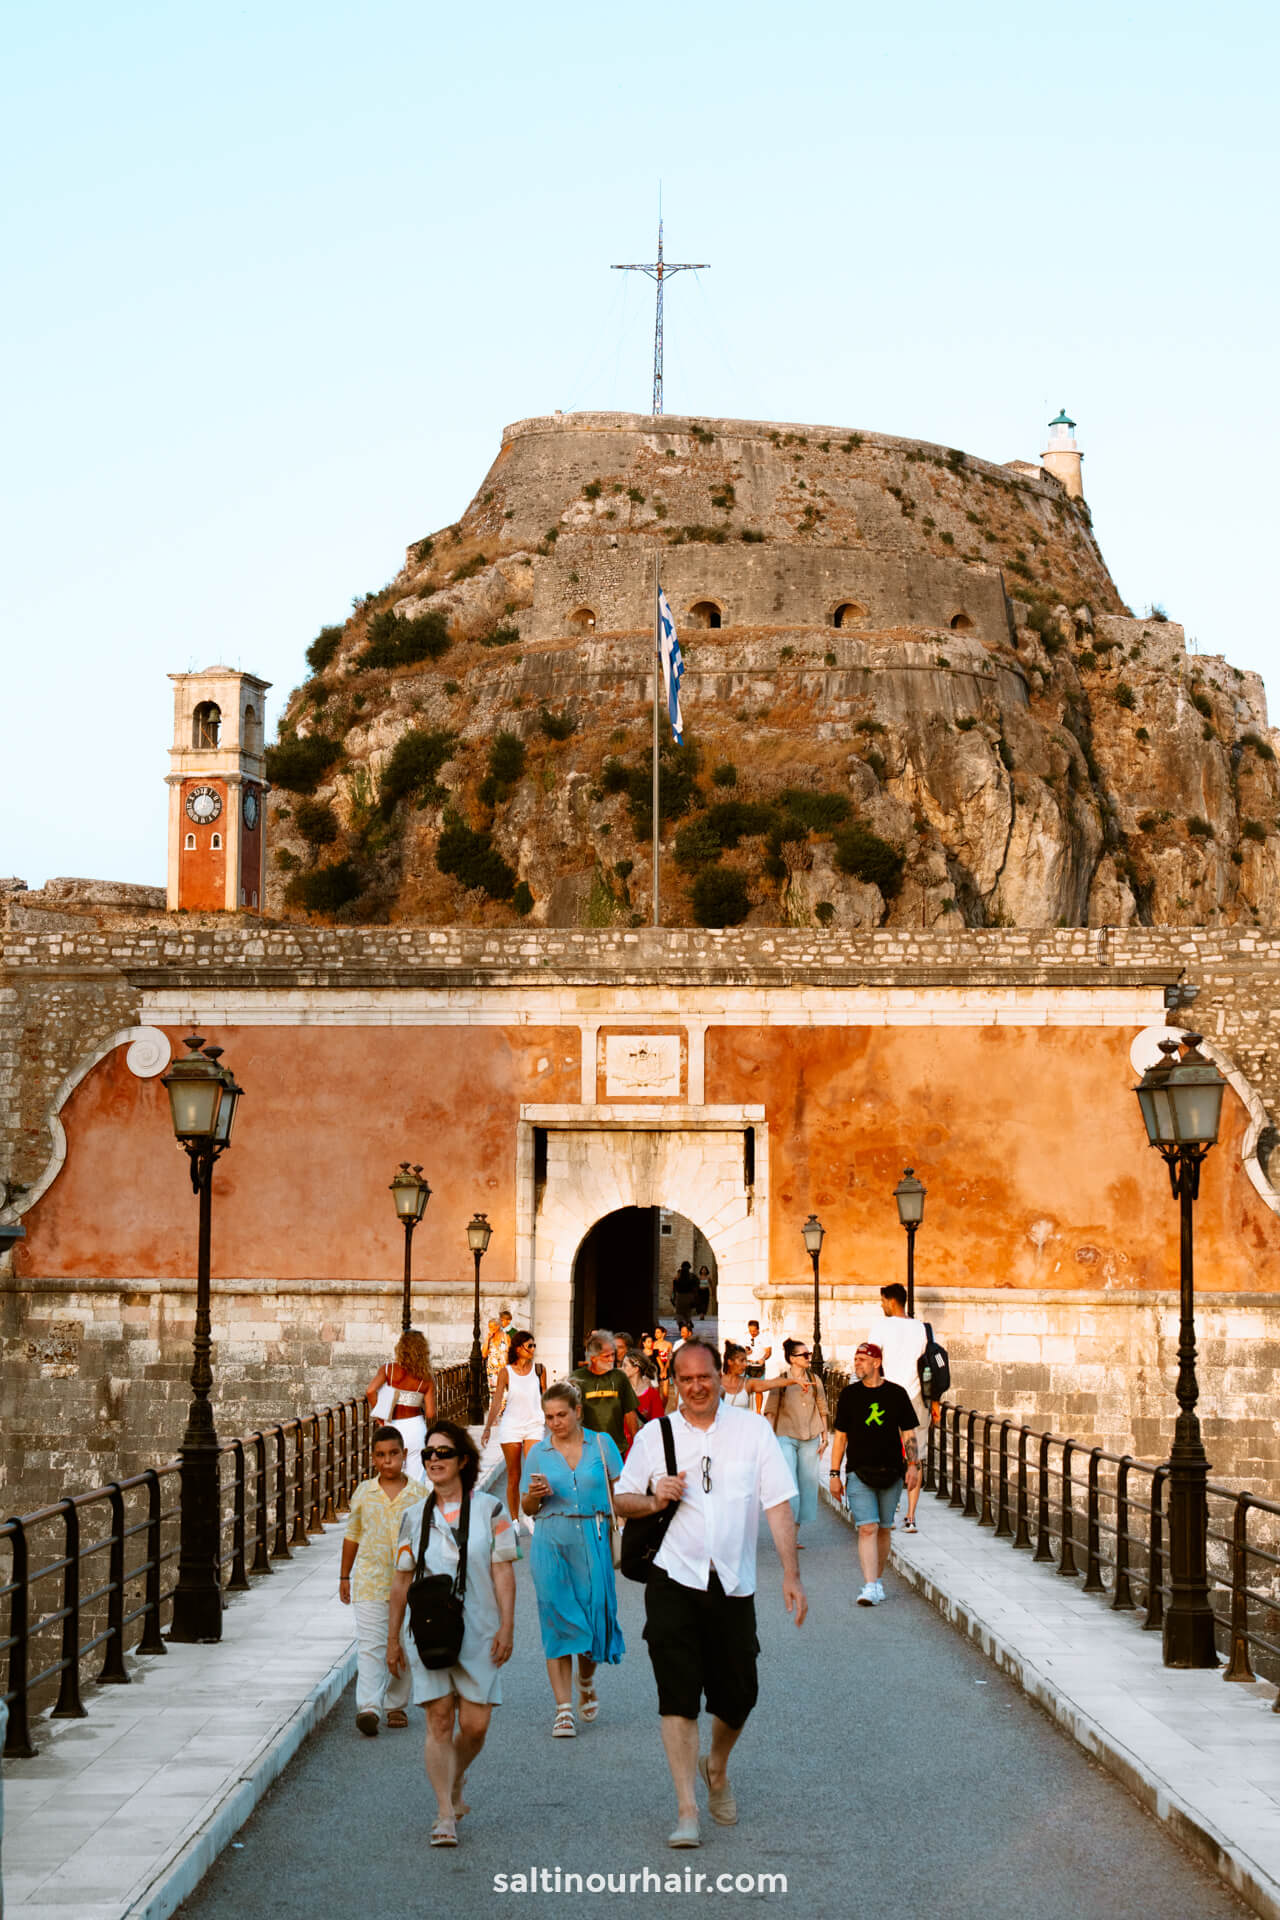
{"x": 516, "y": 1408}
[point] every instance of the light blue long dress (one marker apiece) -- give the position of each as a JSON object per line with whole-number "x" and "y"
{"x": 571, "y": 1558}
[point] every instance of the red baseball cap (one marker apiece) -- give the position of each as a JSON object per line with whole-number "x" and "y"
{"x": 869, "y": 1347}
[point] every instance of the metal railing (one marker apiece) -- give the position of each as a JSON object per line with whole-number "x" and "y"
{"x": 1102, "y": 1517}
{"x": 87, "y": 1569}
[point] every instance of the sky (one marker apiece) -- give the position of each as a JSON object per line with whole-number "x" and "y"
{"x": 278, "y": 275}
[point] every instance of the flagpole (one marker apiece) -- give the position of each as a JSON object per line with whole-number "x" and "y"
{"x": 657, "y": 675}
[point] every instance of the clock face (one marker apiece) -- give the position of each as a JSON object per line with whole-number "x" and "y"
{"x": 203, "y": 805}
{"x": 250, "y": 808}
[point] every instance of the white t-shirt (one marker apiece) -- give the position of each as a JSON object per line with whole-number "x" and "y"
{"x": 903, "y": 1342}
{"x": 748, "y": 1475}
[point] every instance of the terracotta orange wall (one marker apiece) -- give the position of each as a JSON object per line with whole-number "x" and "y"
{"x": 202, "y": 870}
{"x": 1016, "y": 1132}
{"x": 327, "y": 1117}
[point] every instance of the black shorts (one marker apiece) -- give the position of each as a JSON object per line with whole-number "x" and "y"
{"x": 701, "y": 1643}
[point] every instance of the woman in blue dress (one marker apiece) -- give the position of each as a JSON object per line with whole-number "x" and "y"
{"x": 566, "y": 1485}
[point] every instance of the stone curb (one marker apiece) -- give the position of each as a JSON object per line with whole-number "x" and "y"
{"x": 182, "y": 1875}
{"x": 1192, "y": 1828}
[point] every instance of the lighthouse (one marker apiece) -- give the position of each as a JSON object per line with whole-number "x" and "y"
{"x": 1062, "y": 456}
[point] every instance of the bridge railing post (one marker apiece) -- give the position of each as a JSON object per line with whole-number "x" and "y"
{"x": 970, "y": 1490}
{"x": 298, "y": 1538}
{"x": 1093, "y": 1581}
{"x": 314, "y": 1523}
{"x": 1122, "y": 1598}
{"x": 239, "y": 1579}
{"x": 1022, "y": 1533}
{"x": 940, "y": 1489}
{"x": 1154, "y": 1621}
{"x": 113, "y": 1672}
{"x": 1067, "y": 1561}
{"x": 1238, "y": 1667}
{"x": 17, "y": 1737}
{"x": 957, "y": 1477}
{"x": 280, "y": 1545}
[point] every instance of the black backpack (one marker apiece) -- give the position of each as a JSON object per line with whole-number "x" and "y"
{"x": 934, "y": 1369}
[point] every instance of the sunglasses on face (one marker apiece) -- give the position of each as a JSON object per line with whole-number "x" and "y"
{"x": 440, "y": 1453}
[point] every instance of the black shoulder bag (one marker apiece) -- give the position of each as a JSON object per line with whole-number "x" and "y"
{"x": 436, "y": 1600}
{"x": 642, "y": 1536}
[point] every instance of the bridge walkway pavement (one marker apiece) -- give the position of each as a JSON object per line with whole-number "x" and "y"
{"x": 890, "y": 1769}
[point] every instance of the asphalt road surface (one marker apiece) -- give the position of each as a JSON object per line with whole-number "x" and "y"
{"x": 887, "y": 1771}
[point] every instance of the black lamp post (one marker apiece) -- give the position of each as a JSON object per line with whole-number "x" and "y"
{"x": 909, "y": 1195}
{"x": 1181, "y": 1102}
{"x": 203, "y": 1097}
{"x": 814, "y": 1234}
{"x": 411, "y": 1194}
{"x": 478, "y": 1232}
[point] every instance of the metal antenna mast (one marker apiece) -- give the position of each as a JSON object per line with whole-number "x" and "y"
{"x": 659, "y": 270}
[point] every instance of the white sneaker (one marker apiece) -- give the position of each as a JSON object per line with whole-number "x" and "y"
{"x": 868, "y": 1597}
{"x": 877, "y": 1593}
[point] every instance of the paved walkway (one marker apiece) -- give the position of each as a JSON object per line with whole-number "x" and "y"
{"x": 889, "y": 1769}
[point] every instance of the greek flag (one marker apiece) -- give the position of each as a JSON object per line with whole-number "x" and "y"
{"x": 672, "y": 666}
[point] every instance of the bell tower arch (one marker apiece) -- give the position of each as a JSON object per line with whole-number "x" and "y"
{"x": 217, "y": 792}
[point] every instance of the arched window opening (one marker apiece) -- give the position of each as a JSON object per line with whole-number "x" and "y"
{"x": 583, "y": 620}
{"x": 961, "y": 623}
{"x": 847, "y": 613}
{"x": 704, "y": 613}
{"x": 252, "y": 731}
{"x": 206, "y": 725}
{"x": 189, "y": 844}
{"x": 216, "y": 843}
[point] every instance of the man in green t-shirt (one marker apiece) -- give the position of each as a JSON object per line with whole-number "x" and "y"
{"x": 608, "y": 1398}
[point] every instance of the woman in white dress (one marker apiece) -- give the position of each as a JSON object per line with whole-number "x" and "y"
{"x": 459, "y": 1699}
{"x": 413, "y": 1396}
{"x": 516, "y": 1411}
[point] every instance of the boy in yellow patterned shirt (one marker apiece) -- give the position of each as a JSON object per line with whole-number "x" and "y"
{"x": 377, "y": 1508}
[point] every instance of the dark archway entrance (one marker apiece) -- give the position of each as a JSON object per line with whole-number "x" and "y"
{"x": 624, "y": 1269}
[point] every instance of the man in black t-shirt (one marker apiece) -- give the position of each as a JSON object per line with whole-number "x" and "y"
{"x": 609, "y": 1403}
{"x": 876, "y": 1423}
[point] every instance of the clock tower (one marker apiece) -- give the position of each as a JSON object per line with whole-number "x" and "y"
{"x": 217, "y": 792}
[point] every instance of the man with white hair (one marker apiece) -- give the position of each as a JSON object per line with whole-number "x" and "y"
{"x": 609, "y": 1403}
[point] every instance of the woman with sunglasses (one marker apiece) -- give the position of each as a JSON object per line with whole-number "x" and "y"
{"x": 516, "y": 1411}
{"x": 459, "y": 1699}
{"x": 567, "y": 1483}
{"x": 796, "y": 1407}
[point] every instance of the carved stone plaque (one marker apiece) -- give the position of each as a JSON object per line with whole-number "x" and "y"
{"x": 642, "y": 1066}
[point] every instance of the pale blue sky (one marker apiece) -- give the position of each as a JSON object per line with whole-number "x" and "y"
{"x": 278, "y": 275}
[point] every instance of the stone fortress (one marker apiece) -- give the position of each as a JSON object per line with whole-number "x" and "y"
{"x": 890, "y": 645}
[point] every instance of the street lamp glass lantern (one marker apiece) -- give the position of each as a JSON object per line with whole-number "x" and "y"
{"x": 410, "y": 1193}
{"x": 1181, "y": 1100}
{"x": 478, "y": 1232}
{"x": 227, "y": 1108}
{"x": 196, "y": 1087}
{"x": 909, "y": 1194}
{"x": 814, "y": 1233}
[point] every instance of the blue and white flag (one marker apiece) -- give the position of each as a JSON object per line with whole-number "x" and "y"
{"x": 672, "y": 666}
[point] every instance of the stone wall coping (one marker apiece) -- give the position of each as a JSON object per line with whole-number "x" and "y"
{"x": 912, "y": 970}
{"x": 1018, "y": 1297}
{"x": 269, "y": 1289}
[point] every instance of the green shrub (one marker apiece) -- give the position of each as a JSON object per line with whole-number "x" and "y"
{"x": 697, "y": 842}
{"x": 469, "y": 568}
{"x": 471, "y": 858}
{"x": 819, "y": 812}
{"x": 1253, "y": 830}
{"x": 506, "y": 765}
{"x": 300, "y": 764}
{"x": 557, "y": 726}
{"x": 1087, "y": 660}
{"x": 614, "y": 776}
{"x": 500, "y": 637}
{"x": 411, "y": 771}
{"x": 392, "y": 642}
{"x": 286, "y": 861}
{"x": 592, "y": 490}
{"x": 730, "y": 820}
{"x": 824, "y": 913}
{"x": 323, "y": 649}
{"x": 867, "y": 857}
{"x": 854, "y": 440}
{"x": 624, "y": 869}
{"x": 725, "y": 775}
{"x": 635, "y": 496}
{"x": 719, "y": 897}
{"x": 1263, "y": 748}
{"x": 752, "y": 536}
{"x": 877, "y": 764}
{"x": 828, "y": 659}
{"x": 317, "y": 822}
{"x": 1198, "y": 827}
{"x": 522, "y": 899}
{"x": 677, "y": 768}
{"x": 966, "y": 723}
{"x": 1140, "y": 733}
{"x": 326, "y": 889}
{"x": 1202, "y": 704}
{"x": 1125, "y": 695}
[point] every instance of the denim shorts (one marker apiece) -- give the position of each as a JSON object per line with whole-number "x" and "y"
{"x": 871, "y": 1506}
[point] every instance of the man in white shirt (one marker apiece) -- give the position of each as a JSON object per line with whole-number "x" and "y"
{"x": 903, "y": 1341}
{"x": 700, "y": 1622}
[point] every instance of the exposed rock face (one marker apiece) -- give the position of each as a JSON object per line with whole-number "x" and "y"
{"x": 927, "y": 647}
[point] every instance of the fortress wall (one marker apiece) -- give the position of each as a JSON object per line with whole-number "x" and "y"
{"x": 762, "y": 586}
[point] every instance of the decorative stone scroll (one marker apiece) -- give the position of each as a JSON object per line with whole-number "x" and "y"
{"x": 149, "y": 1053}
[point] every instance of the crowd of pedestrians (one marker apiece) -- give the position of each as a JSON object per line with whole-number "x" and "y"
{"x": 683, "y": 1448}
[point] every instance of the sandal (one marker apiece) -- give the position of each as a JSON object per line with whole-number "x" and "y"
{"x": 909, "y": 1526}
{"x": 397, "y": 1717}
{"x": 562, "y": 1727}
{"x": 444, "y": 1833}
{"x": 588, "y": 1700}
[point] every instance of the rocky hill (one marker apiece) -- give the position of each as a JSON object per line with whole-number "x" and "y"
{"x": 912, "y": 696}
